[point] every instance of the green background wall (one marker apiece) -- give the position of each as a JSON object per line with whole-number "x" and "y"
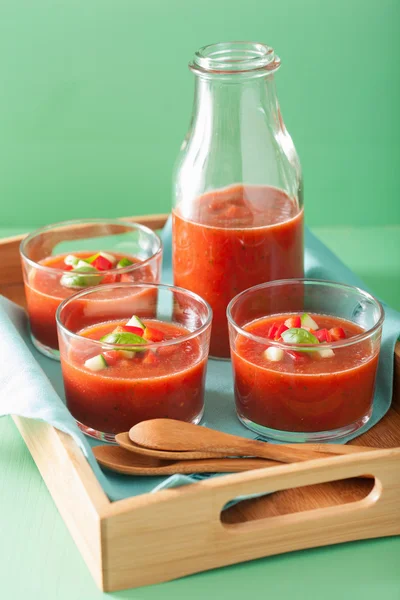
{"x": 95, "y": 97}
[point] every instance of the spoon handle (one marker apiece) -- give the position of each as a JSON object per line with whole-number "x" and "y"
{"x": 334, "y": 448}
{"x": 280, "y": 452}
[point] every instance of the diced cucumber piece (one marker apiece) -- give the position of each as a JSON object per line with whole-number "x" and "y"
{"x": 97, "y": 363}
{"x": 71, "y": 260}
{"x": 73, "y": 279}
{"x": 127, "y": 353}
{"x": 307, "y": 321}
{"x": 124, "y": 262}
{"x": 274, "y": 354}
{"x": 326, "y": 352}
{"x": 82, "y": 264}
{"x": 136, "y": 322}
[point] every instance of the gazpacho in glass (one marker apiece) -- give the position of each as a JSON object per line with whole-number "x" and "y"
{"x": 304, "y": 357}
{"x": 132, "y": 352}
{"x": 63, "y": 258}
{"x": 232, "y": 239}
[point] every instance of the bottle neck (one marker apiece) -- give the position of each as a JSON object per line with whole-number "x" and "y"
{"x": 235, "y": 88}
{"x": 236, "y": 135}
{"x": 234, "y": 105}
{"x": 235, "y": 127}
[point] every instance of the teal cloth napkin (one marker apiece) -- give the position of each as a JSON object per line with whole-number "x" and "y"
{"x": 31, "y": 384}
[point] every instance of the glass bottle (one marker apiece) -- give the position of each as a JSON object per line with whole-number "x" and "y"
{"x": 238, "y": 208}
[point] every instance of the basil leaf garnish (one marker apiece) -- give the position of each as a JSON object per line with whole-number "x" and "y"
{"x": 126, "y": 338}
{"x": 296, "y": 335}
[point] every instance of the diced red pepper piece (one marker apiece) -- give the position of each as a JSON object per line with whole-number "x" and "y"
{"x": 153, "y": 335}
{"x": 111, "y": 357}
{"x": 282, "y": 327}
{"x": 323, "y": 335}
{"x": 150, "y": 358}
{"x": 68, "y": 268}
{"x": 337, "y": 333}
{"x": 293, "y": 322}
{"x": 297, "y": 357}
{"x": 102, "y": 264}
{"x": 272, "y": 331}
{"x": 131, "y": 329}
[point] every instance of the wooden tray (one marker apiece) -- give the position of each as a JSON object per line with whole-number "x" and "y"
{"x": 158, "y": 537}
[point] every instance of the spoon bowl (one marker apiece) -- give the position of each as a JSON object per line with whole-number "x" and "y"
{"x": 125, "y": 442}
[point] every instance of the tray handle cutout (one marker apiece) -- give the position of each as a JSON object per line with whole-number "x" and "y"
{"x": 375, "y": 515}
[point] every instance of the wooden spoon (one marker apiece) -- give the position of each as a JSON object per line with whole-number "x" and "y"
{"x": 124, "y": 441}
{"x": 122, "y": 461}
{"x": 172, "y": 435}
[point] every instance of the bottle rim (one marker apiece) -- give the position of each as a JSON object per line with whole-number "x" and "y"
{"x": 229, "y": 58}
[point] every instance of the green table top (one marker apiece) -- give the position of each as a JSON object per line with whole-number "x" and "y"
{"x": 38, "y": 558}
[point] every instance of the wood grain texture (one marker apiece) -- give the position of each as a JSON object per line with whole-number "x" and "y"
{"x": 158, "y": 537}
{"x": 73, "y": 486}
{"x": 10, "y": 266}
{"x": 386, "y": 434}
{"x": 187, "y": 535}
{"x": 14, "y": 292}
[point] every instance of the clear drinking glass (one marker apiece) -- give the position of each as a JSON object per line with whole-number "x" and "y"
{"x": 47, "y": 282}
{"x": 164, "y": 379}
{"x": 238, "y": 206}
{"x": 294, "y": 392}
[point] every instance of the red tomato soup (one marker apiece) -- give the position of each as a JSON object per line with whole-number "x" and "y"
{"x": 237, "y": 237}
{"x": 304, "y": 391}
{"x": 44, "y": 291}
{"x": 167, "y": 382}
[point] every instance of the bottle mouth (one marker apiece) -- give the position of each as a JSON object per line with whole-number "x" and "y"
{"x": 235, "y": 57}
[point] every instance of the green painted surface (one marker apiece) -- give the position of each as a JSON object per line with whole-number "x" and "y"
{"x": 96, "y": 97}
{"x": 371, "y": 252}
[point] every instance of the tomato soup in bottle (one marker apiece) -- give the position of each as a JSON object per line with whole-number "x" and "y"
{"x": 238, "y": 208}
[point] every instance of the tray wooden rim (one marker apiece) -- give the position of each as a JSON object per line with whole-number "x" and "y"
{"x": 114, "y": 536}
{"x": 197, "y": 539}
